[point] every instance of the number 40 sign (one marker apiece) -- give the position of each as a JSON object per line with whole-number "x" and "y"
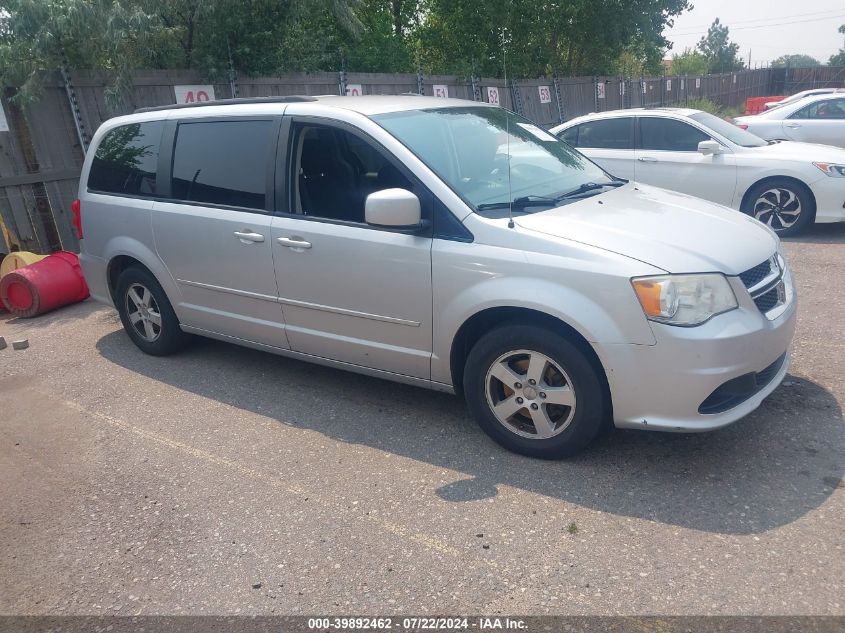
{"x": 193, "y": 94}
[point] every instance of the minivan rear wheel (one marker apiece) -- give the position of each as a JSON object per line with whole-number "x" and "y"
{"x": 146, "y": 313}
{"x": 534, "y": 392}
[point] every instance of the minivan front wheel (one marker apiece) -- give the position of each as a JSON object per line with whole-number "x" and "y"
{"x": 146, "y": 313}
{"x": 534, "y": 392}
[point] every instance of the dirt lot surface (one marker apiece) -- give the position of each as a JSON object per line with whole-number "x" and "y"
{"x": 226, "y": 480}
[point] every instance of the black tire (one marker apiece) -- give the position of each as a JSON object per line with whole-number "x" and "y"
{"x": 585, "y": 420}
{"x": 780, "y": 220}
{"x": 169, "y": 337}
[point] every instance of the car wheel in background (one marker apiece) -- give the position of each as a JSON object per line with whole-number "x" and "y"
{"x": 784, "y": 205}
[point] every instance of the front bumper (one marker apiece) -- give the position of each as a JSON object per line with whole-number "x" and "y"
{"x": 662, "y": 386}
{"x": 830, "y": 199}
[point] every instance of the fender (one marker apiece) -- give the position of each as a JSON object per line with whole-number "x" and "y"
{"x": 130, "y": 247}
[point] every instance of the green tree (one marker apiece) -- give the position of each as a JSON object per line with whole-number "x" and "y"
{"x": 839, "y": 58}
{"x": 543, "y": 36}
{"x": 722, "y": 54}
{"x": 689, "y": 63}
{"x": 263, "y": 36}
{"x": 795, "y": 61}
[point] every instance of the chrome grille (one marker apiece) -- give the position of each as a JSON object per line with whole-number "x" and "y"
{"x": 766, "y": 286}
{"x": 754, "y": 276}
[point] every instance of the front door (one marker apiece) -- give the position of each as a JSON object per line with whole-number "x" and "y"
{"x": 215, "y": 236}
{"x": 668, "y": 157}
{"x": 350, "y": 292}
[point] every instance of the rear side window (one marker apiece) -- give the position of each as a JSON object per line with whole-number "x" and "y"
{"x": 606, "y": 134}
{"x": 222, "y": 162}
{"x": 570, "y": 136}
{"x": 830, "y": 109}
{"x": 669, "y": 135}
{"x": 126, "y": 160}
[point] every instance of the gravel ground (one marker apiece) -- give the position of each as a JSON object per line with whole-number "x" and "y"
{"x": 226, "y": 480}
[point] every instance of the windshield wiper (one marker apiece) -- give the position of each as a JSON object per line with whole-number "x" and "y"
{"x": 587, "y": 187}
{"x": 521, "y": 203}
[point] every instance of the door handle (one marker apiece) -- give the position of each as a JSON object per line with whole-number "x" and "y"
{"x": 793, "y": 125}
{"x": 647, "y": 159}
{"x": 248, "y": 236}
{"x": 293, "y": 242}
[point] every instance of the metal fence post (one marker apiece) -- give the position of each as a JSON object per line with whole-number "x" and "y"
{"x": 342, "y": 83}
{"x": 558, "y": 99}
{"x": 420, "y": 82}
{"x": 74, "y": 107}
{"x": 476, "y": 88}
{"x": 517, "y": 97}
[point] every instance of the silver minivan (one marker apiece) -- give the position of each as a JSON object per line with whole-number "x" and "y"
{"x": 442, "y": 243}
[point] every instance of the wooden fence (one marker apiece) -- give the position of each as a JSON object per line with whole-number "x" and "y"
{"x": 41, "y": 155}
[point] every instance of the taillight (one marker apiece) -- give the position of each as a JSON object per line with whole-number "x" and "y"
{"x": 76, "y": 207}
{"x": 742, "y": 126}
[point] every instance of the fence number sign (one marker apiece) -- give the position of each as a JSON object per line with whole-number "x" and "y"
{"x": 668, "y": 84}
{"x": 545, "y": 94}
{"x": 493, "y": 95}
{"x": 734, "y": 78}
{"x": 354, "y": 90}
{"x": 621, "y": 88}
{"x": 193, "y": 94}
{"x": 682, "y": 84}
{"x": 4, "y": 124}
{"x": 697, "y": 83}
{"x": 645, "y": 87}
{"x": 600, "y": 90}
{"x": 441, "y": 91}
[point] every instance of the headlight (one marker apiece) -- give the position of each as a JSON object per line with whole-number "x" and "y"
{"x": 684, "y": 299}
{"x": 831, "y": 169}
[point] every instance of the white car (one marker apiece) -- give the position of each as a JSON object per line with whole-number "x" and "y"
{"x": 819, "y": 119}
{"x": 784, "y": 185}
{"x": 800, "y": 95}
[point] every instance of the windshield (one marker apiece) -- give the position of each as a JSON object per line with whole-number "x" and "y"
{"x": 468, "y": 148}
{"x": 728, "y": 130}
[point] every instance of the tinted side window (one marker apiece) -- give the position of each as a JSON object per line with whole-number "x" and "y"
{"x": 570, "y": 136}
{"x": 669, "y": 135}
{"x": 832, "y": 109}
{"x": 222, "y": 162}
{"x": 126, "y": 160}
{"x": 606, "y": 134}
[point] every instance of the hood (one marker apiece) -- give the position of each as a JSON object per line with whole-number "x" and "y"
{"x": 809, "y": 152}
{"x": 669, "y": 230}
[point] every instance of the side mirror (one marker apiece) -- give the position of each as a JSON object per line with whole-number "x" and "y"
{"x": 393, "y": 208}
{"x": 710, "y": 147}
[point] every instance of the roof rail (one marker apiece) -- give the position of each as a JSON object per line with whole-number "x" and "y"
{"x": 200, "y": 104}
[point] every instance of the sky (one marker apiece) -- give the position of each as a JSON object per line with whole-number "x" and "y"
{"x": 766, "y": 28}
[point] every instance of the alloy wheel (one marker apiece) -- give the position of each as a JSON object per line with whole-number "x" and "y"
{"x": 530, "y": 394}
{"x": 779, "y": 208}
{"x": 143, "y": 312}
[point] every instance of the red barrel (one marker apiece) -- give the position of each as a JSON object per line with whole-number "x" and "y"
{"x": 46, "y": 285}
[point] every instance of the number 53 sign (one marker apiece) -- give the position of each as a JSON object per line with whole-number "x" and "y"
{"x": 545, "y": 94}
